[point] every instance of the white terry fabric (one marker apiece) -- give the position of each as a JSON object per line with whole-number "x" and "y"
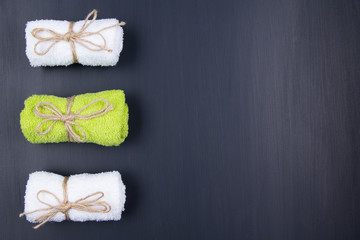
{"x": 78, "y": 186}
{"x": 61, "y": 55}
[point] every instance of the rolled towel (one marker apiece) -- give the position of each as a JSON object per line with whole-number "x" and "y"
{"x": 61, "y": 43}
{"x": 79, "y": 198}
{"x": 100, "y": 118}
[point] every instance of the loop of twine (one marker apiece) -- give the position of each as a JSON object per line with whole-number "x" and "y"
{"x": 82, "y": 204}
{"x": 73, "y": 37}
{"x": 68, "y": 118}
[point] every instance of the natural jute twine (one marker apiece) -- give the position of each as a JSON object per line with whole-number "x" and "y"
{"x": 73, "y": 37}
{"x": 68, "y": 118}
{"x": 82, "y": 204}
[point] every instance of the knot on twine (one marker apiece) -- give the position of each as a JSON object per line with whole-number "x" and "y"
{"x": 68, "y": 118}
{"x": 83, "y": 204}
{"x": 68, "y": 36}
{"x": 73, "y": 37}
{"x": 65, "y": 207}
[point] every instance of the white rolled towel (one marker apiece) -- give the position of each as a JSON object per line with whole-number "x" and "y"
{"x": 49, "y": 43}
{"x": 82, "y": 197}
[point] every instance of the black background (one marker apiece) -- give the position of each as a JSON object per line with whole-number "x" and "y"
{"x": 244, "y": 119}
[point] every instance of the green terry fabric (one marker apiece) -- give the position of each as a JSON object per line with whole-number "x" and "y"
{"x": 110, "y": 129}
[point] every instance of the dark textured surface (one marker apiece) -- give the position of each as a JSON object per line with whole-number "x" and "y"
{"x": 244, "y": 119}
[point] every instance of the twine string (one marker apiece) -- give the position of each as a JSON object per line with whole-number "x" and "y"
{"x": 82, "y": 204}
{"x": 68, "y": 118}
{"x": 73, "y": 37}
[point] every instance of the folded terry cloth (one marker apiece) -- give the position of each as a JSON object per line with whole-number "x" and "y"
{"x": 61, "y": 43}
{"x": 100, "y": 118}
{"x": 80, "y": 198}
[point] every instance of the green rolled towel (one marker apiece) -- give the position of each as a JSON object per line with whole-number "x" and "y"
{"x": 100, "y": 118}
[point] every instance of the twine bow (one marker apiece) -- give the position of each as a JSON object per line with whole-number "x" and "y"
{"x": 68, "y": 118}
{"x": 73, "y": 37}
{"x": 82, "y": 204}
